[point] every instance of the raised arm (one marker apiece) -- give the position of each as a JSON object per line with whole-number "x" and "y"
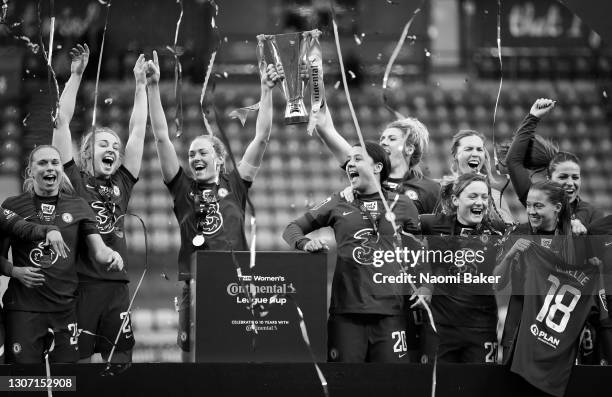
{"x": 61, "y": 132}
{"x": 165, "y": 149}
{"x": 138, "y": 120}
{"x": 330, "y": 136}
{"x": 255, "y": 150}
{"x": 519, "y": 175}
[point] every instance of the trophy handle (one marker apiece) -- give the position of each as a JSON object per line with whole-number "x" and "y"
{"x": 261, "y": 58}
{"x": 277, "y": 60}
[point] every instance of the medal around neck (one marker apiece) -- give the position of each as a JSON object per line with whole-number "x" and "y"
{"x": 198, "y": 240}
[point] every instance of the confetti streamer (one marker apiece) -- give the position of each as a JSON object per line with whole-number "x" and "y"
{"x": 210, "y": 65}
{"x": 203, "y": 93}
{"x": 49, "y": 346}
{"x": 93, "y": 120}
{"x": 107, "y": 370}
{"x": 501, "y": 81}
{"x": 51, "y": 30}
{"x": 242, "y": 113}
{"x": 178, "y": 76}
{"x": 393, "y": 57}
{"x": 51, "y": 78}
{"x": 306, "y": 339}
{"x": 95, "y": 106}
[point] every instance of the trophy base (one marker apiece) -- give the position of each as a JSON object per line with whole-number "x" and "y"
{"x": 297, "y": 119}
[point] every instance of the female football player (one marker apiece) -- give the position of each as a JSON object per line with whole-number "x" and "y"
{"x": 549, "y": 226}
{"x": 561, "y": 167}
{"x": 104, "y": 175}
{"x": 367, "y": 319}
{"x": 553, "y": 285}
{"x": 465, "y": 313}
{"x": 209, "y": 200}
{"x": 41, "y": 294}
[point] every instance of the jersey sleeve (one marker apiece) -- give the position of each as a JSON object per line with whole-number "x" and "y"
{"x": 519, "y": 175}
{"x": 407, "y": 211}
{"x": 321, "y": 214}
{"x": 88, "y": 224}
{"x": 72, "y": 171}
{"x": 126, "y": 179}
{"x": 239, "y": 186}
{"x": 180, "y": 185}
{"x": 14, "y": 225}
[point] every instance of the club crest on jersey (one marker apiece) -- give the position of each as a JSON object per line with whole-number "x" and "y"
{"x": 222, "y": 192}
{"x": 43, "y": 257}
{"x": 368, "y": 243}
{"x": 371, "y": 205}
{"x": 16, "y": 348}
{"x": 412, "y": 195}
{"x": 67, "y": 217}
{"x": 116, "y": 190}
{"x": 213, "y": 221}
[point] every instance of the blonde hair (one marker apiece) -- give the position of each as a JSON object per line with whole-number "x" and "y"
{"x": 416, "y": 134}
{"x": 218, "y": 147}
{"x": 84, "y": 157}
{"x": 486, "y": 167}
{"x": 65, "y": 185}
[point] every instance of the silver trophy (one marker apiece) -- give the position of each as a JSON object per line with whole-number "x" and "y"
{"x": 290, "y": 50}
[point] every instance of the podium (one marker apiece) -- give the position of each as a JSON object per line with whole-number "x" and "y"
{"x": 222, "y": 322}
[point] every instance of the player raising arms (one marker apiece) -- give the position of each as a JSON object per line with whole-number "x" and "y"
{"x": 465, "y": 313}
{"x": 561, "y": 167}
{"x": 104, "y": 177}
{"x": 366, "y": 319}
{"x": 528, "y": 153}
{"x": 405, "y": 141}
{"x": 553, "y": 286}
{"x": 209, "y": 202}
{"x": 42, "y": 288}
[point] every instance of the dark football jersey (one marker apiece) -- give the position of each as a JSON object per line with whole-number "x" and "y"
{"x": 424, "y": 192}
{"x": 108, "y": 198}
{"x": 557, "y": 301}
{"x": 463, "y": 303}
{"x": 222, "y": 226}
{"x": 15, "y": 226}
{"x": 353, "y": 286}
{"x": 75, "y": 220}
{"x": 547, "y": 240}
